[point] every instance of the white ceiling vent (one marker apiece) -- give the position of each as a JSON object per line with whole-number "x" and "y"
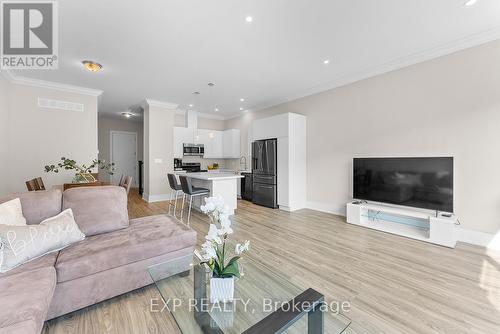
{"x": 60, "y": 105}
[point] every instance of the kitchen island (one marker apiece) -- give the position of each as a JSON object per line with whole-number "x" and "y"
{"x": 223, "y": 184}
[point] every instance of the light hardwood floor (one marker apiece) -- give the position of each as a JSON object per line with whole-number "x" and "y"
{"x": 395, "y": 285}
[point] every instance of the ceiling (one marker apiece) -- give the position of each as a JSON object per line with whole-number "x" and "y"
{"x": 167, "y": 49}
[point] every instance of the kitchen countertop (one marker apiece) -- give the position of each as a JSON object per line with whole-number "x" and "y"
{"x": 207, "y": 176}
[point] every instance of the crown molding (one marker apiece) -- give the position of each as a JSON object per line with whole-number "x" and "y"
{"x": 19, "y": 80}
{"x": 397, "y": 64}
{"x": 203, "y": 115}
{"x": 160, "y": 104}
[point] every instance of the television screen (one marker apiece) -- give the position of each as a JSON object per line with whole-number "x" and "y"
{"x": 416, "y": 182}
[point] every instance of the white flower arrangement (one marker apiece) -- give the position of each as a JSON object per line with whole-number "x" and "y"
{"x": 214, "y": 249}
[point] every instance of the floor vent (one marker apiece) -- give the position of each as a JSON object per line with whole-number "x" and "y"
{"x": 60, "y": 105}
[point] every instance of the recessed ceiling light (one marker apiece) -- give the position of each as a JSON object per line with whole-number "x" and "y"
{"x": 127, "y": 114}
{"x": 92, "y": 66}
{"x": 242, "y": 100}
{"x": 249, "y": 19}
{"x": 470, "y": 3}
{"x": 326, "y": 61}
{"x": 241, "y": 109}
{"x": 216, "y": 109}
{"x": 191, "y": 105}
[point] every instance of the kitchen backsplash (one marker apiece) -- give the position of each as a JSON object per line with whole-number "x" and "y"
{"x": 205, "y": 162}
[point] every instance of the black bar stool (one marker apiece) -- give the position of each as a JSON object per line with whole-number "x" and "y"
{"x": 191, "y": 191}
{"x": 175, "y": 188}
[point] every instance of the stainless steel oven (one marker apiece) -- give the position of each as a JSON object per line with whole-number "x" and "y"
{"x": 193, "y": 150}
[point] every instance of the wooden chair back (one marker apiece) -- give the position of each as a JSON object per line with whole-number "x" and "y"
{"x": 35, "y": 184}
{"x": 127, "y": 183}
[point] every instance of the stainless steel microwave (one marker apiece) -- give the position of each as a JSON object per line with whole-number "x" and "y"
{"x": 193, "y": 150}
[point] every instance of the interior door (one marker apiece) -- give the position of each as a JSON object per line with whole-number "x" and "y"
{"x": 124, "y": 155}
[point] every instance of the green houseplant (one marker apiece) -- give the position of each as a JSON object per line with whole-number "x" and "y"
{"x": 84, "y": 173}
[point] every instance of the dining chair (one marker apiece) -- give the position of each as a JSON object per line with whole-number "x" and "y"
{"x": 121, "y": 181}
{"x": 39, "y": 183}
{"x": 127, "y": 183}
{"x": 35, "y": 184}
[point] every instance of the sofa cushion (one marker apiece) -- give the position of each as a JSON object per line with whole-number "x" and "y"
{"x": 98, "y": 209}
{"x": 145, "y": 238}
{"x": 48, "y": 260}
{"x": 26, "y": 298}
{"x": 38, "y": 205}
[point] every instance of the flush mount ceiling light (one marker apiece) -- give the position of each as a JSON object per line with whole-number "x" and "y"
{"x": 242, "y": 100}
{"x": 249, "y": 19}
{"x": 92, "y": 66}
{"x": 326, "y": 61}
{"x": 470, "y": 3}
{"x": 190, "y": 105}
{"x": 127, "y": 114}
{"x": 216, "y": 109}
{"x": 241, "y": 109}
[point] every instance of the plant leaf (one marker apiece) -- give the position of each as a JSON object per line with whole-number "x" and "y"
{"x": 231, "y": 270}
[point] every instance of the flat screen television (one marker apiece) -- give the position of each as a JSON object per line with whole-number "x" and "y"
{"x": 416, "y": 182}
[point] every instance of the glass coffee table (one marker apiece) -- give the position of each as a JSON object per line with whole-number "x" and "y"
{"x": 264, "y": 302}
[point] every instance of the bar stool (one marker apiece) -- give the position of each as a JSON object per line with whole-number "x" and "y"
{"x": 191, "y": 191}
{"x": 175, "y": 188}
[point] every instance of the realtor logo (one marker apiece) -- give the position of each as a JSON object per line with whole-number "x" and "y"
{"x": 29, "y": 35}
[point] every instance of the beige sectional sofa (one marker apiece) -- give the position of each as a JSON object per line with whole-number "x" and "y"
{"x": 111, "y": 260}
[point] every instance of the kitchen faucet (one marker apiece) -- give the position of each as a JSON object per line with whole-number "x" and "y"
{"x": 243, "y": 160}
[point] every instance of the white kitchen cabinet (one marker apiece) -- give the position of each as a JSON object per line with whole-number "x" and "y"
{"x": 182, "y": 136}
{"x": 212, "y": 140}
{"x": 218, "y": 144}
{"x": 231, "y": 144}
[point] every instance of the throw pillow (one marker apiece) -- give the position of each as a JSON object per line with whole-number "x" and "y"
{"x": 11, "y": 213}
{"x": 1, "y": 252}
{"x": 25, "y": 243}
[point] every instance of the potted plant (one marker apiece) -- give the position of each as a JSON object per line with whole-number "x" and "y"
{"x": 216, "y": 252}
{"x": 84, "y": 173}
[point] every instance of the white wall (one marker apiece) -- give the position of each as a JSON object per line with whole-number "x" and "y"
{"x": 158, "y": 144}
{"x": 203, "y": 123}
{"x": 4, "y": 135}
{"x": 449, "y": 106}
{"x": 40, "y": 136}
{"x": 108, "y": 124}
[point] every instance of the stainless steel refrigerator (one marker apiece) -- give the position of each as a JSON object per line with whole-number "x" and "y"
{"x": 264, "y": 168}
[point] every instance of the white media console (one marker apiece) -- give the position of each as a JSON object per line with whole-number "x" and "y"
{"x": 409, "y": 223}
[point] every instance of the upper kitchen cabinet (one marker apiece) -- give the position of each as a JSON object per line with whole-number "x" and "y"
{"x": 231, "y": 144}
{"x": 218, "y": 144}
{"x": 181, "y": 136}
{"x": 212, "y": 140}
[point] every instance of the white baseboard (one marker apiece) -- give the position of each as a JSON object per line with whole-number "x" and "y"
{"x": 156, "y": 198}
{"x": 488, "y": 240}
{"x": 327, "y": 207}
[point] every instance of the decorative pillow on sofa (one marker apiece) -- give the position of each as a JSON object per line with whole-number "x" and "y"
{"x": 25, "y": 243}
{"x": 2, "y": 246}
{"x": 11, "y": 213}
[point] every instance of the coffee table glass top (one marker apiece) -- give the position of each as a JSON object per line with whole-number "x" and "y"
{"x": 256, "y": 293}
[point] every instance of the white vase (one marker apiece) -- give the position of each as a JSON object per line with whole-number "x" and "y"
{"x": 221, "y": 290}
